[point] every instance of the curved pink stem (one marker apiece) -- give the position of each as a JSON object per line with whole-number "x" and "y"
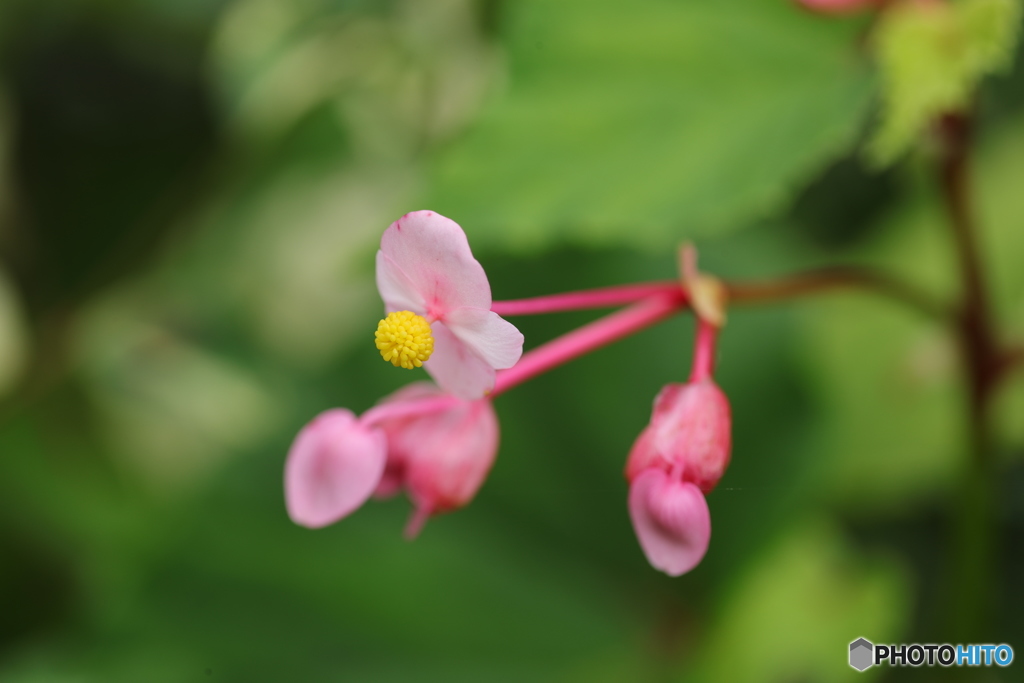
{"x": 592, "y": 336}
{"x": 603, "y": 297}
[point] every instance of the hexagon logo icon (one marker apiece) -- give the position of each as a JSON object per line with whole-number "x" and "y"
{"x": 861, "y": 651}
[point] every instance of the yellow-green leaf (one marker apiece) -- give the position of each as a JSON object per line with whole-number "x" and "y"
{"x": 932, "y": 57}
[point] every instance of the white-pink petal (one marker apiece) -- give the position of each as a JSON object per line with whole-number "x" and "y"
{"x": 396, "y": 289}
{"x": 488, "y": 335}
{"x": 434, "y": 255}
{"x": 456, "y": 367}
{"x": 671, "y": 520}
{"x": 333, "y": 466}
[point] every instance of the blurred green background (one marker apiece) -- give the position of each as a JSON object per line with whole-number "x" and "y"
{"x": 191, "y": 193}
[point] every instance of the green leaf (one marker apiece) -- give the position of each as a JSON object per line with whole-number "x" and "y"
{"x": 889, "y": 382}
{"x": 887, "y": 379}
{"x": 932, "y": 56}
{"x": 891, "y": 418}
{"x": 795, "y": 610}
{"x": 645, "y": 122}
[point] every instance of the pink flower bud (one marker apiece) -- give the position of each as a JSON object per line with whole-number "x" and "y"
{"x": 671, "y": 520}
{"x": 689, "y": 435}
{"x": 333, "y": 466}
{"x": 442, "y": 457}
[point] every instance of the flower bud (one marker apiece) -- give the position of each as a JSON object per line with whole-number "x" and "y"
{"x": 689, "y": 435}
{"x": 441, "y": 457}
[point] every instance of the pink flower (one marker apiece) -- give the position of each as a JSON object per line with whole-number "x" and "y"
{"x": 437, "y": 446}
{"x": 333, "y": 466}
{"x": 440, "y": 457}
{"x": 425, "y": 267}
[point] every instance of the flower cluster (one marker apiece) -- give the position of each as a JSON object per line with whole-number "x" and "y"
{"x": 436, "y": 446}
{"x": 439, "y": 441}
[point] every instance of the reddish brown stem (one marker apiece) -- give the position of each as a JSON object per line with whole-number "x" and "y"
{"x": 838, "y": 277}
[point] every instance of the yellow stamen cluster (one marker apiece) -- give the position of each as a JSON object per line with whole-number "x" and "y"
{"x": 404, "y": 339}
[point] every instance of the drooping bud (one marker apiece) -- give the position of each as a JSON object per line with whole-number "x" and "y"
{"x": 682, "y": 453}
{"x": 689, "y": 433}
{"x": 671, "y": 520}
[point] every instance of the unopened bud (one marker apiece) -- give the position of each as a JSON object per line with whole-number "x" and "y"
{"x": 689, "y": 434}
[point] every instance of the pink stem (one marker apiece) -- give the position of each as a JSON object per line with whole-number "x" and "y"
{"x": 604, "y": 297}
{"x": 704, "y": 351}
{"x": 589, "y": 337}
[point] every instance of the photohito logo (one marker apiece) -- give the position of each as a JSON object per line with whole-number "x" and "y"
{"x": 864, "y": 653}
{"x": 860, "y": 654}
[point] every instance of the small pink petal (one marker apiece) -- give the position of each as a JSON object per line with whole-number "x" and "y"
{"x": 433, "y": 254}
{"x": 450, "y": 454}
{"x": 333, "y": 466}
{"x": 671, "y": 520}
{"x": 456, "y": 367}
{"x": 396, "y": 289}
{"x": 489, "y": 335}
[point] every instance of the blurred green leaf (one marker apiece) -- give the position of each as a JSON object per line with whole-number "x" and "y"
{"x": 890, "y": 419}
{"x": 14, "y": 346}
{"x": 889, "y": 381}
{"x": 891, "y": 423}
{"x": 998, "y": 178}
{"x": 932, "y": 56}
{"x": 171, "y": 410}
{"x": 1001, "y": 209}
{"x": 644, "y": 122}
{"x": 397, "y": 73}
{"x": 6, "y": 130}
{"x": 792, "y": 613}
